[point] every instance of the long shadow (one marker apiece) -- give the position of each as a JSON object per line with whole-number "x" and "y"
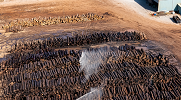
{"x": 147, "y": 6}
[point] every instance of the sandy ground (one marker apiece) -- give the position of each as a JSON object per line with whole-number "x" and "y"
{"x": 4, "y": 3}
{"x": 142, "y": 8}
{"x": 121, "y": 16}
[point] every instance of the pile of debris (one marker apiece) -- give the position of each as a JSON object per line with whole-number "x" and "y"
{"x": 18, "y": 25}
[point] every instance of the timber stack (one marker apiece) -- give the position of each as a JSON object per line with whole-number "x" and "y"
{"x": 78, "y": 40}
{"x": 18, "y": 25}
{"x": 43, "y": 70}
{"x": 135, "y": 74}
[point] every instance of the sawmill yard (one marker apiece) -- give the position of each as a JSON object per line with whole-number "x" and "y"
{"x": 93, "y": 49}
{"x": 120, "y": 17}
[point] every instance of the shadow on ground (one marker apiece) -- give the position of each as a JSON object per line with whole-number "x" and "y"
{"x": 147, "y": 6}
{"x": 172, "y": 20}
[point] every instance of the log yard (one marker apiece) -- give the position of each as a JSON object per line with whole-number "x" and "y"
{"x": 90, "y": 50}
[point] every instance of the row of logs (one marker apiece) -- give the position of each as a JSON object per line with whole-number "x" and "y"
{"x": 43, "y": 83}
{"x": 60, "y": 57}
{"x": 163, "y": 88}
{"x": 15, "y": 26}
{"x": 132, "y": 74}
{"x": 56, "y": 72}
{"x": 77, "y": 40}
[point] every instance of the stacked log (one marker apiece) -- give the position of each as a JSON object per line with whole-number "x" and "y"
{"x": 54, "y": 74}
{"x": 17, "y": 25}
{"x": 77, "y": 40}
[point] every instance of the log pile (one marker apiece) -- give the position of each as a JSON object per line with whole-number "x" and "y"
{"x": 78, "y": 40}
{"x": 135, "y": 74}
{"x": 17, "y": 25}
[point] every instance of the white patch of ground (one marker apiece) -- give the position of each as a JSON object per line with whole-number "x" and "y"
{"x": 18, "y": 2}
{"x": 142, "y": 8}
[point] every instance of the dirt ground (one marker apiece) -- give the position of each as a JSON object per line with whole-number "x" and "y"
{"x": 119, "y": 18}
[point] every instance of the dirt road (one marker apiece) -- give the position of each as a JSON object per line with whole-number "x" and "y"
{"x": 118, "y": 17}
